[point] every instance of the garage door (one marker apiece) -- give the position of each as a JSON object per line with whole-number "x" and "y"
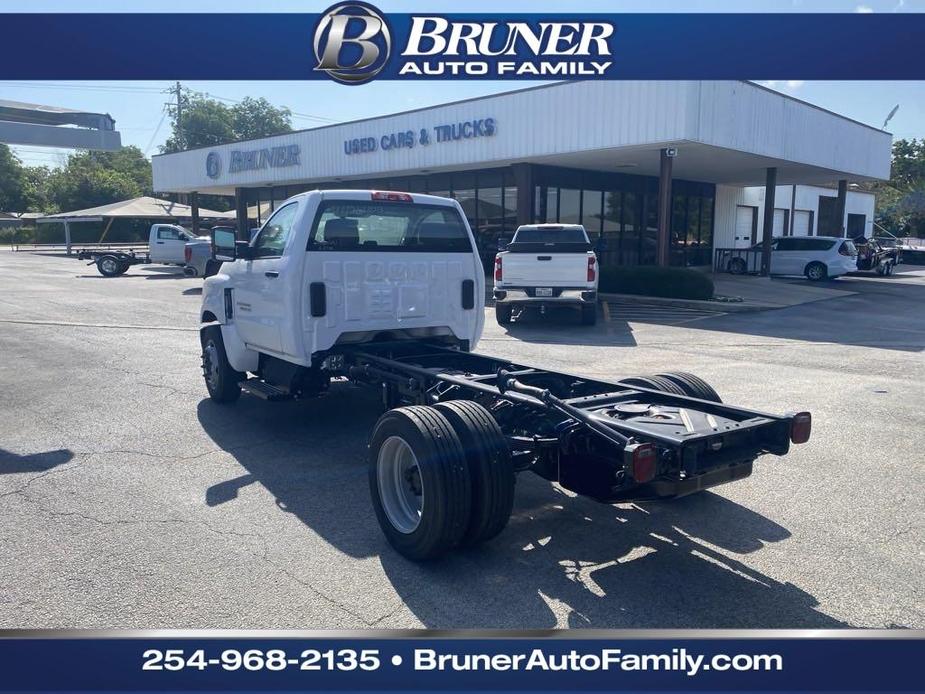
{"x": 801, "y": 220}
{"x": 745, "y": 217}
{"x": 780, "y": 223}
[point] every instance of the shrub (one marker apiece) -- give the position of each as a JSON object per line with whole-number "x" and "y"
{"x": 671, "y": 282}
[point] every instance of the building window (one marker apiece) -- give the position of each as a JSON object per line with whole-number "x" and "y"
{"x": 464, "y": 191}
{"x": 569, "y": 206}
{"x": 612, "y": 228}
{"x": 552, "y": 205}
{"x": 629, "y": 248}
{"x": 591, "y": 214}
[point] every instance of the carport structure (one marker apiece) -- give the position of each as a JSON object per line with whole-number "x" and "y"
{"x": 146, "y": 208}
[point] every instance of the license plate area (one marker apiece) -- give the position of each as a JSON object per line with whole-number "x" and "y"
{"x": 544, "y": 291}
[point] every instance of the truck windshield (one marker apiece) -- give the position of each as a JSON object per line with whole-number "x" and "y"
{"x": 372, "y": 226}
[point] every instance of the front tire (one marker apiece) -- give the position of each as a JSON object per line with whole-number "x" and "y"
{"x": 503, "y": 313}
{"x": 221, "y": 379}
{"x": 816, "y": 272}
{"x": 419, "y": 482}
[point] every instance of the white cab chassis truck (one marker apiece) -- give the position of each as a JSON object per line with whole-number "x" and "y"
{"x": 386, "y": 290}
{"x": 168, "y": 244}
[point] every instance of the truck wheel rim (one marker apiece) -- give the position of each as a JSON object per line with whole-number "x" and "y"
{"x": 400, "y": 487}
{"x": 210, "y": 367}
{"x": 109, "y": 265}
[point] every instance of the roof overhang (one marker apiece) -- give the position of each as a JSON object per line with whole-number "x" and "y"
{"x": 51, "y": 126}
{"x": 726, "y": 133}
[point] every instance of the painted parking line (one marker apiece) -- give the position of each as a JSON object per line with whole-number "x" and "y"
{"x": 636, "y": 312}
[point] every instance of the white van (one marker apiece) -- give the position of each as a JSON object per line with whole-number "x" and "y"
{"x": 815, "y": 257}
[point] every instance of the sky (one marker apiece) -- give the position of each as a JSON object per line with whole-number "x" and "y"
{"x": 139, "y": 107}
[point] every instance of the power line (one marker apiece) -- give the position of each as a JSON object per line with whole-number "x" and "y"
{"x": 156, "y": 131}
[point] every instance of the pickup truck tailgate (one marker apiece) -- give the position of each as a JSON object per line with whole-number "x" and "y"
{"x": 545, "y": 269}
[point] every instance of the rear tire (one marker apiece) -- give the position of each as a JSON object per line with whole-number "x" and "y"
{"x": 221, "y": 379}
{"x": 655, "y": 383}
{"x": 816, "y": 272}
{"x": 692, "y": 385}
{"x": 490, "y": 468}
{"x": 419, "y": 482}
{"x": 111, "y": 266}
{"x": 503, "y": 314}
{"x": 589, "y": 315}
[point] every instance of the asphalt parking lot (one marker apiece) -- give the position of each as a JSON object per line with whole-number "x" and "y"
{"x": 127, "y": 499}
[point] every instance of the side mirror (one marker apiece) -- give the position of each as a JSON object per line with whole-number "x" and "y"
{"x": 224, "y": 244}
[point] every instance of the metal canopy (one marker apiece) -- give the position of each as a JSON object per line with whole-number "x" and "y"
{"x": 36, "y": 124}
{"x": 136, "y": 208}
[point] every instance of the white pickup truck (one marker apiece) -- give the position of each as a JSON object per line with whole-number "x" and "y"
{"x": 546, "y": 265}
{"x": 386, "y": 290}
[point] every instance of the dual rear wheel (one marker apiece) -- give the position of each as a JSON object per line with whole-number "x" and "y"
{"x": 440, "y": 477}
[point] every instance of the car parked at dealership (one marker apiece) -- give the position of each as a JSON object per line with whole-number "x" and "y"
{"x": 815, "y": 257}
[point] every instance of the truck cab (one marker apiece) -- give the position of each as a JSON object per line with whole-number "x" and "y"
{"x": 341, "y": 267}
{"x": 546, "y": 265}
{"x": 167, "y": 244}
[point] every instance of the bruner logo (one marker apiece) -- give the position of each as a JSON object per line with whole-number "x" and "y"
{"x": 352, "y": 42}
{"x": 213, "y": 165}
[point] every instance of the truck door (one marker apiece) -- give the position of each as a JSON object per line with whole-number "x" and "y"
{"x": 259, "y": 296}
{"x": 167, "y": 244}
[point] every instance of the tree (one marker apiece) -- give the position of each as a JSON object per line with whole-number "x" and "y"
{"x": 12, "y": 182}
{"x": 204, "y": 122}
{"x": 901, "y": 200}
{"x": 98, "y": 178}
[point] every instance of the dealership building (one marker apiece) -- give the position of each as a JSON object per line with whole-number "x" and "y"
{"x": 660, "y": 172}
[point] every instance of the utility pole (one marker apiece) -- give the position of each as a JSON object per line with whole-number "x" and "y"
{"x": 180, "y": 139}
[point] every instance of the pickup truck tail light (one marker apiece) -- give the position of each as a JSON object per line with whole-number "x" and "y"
{"x": 187, "y": 254}
{"x": 386, "y": 196}
{"x": 499, "y": 272}
{"x": 801, "y": 427}
{"x": 592, "y": 270}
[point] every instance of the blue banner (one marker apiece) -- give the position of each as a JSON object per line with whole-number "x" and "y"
{"x": 353, "y": 42}
{"x": 847, "y": 662}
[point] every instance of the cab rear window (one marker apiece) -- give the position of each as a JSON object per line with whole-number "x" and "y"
{"x": 370, "y": 226}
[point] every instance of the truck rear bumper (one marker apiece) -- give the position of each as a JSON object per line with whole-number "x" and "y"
{"x": 561, "y": 295}
{"x": 673, "y": 488}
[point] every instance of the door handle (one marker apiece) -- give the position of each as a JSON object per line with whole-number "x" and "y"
{"x": 272, "y": 274}
{"x": 160, "y": 242}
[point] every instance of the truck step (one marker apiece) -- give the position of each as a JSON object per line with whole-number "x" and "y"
{"x": 264, "y": 390}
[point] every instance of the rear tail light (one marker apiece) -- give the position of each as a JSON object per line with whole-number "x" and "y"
{"x": 801, "y": 427}
{"x": 498, "y": 271}
{"x": 592, "y": 271}
{"x": 188, "y": 253}
{"x": 642, "y": 460}
{"x": 385, "y": 196}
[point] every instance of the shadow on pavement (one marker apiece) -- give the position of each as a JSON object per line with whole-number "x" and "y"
{"x": 12, "y": 463}
{"x": 675, "y": 564}
{"x": 885, "y": 313}
{"x": 562, "y": 326}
